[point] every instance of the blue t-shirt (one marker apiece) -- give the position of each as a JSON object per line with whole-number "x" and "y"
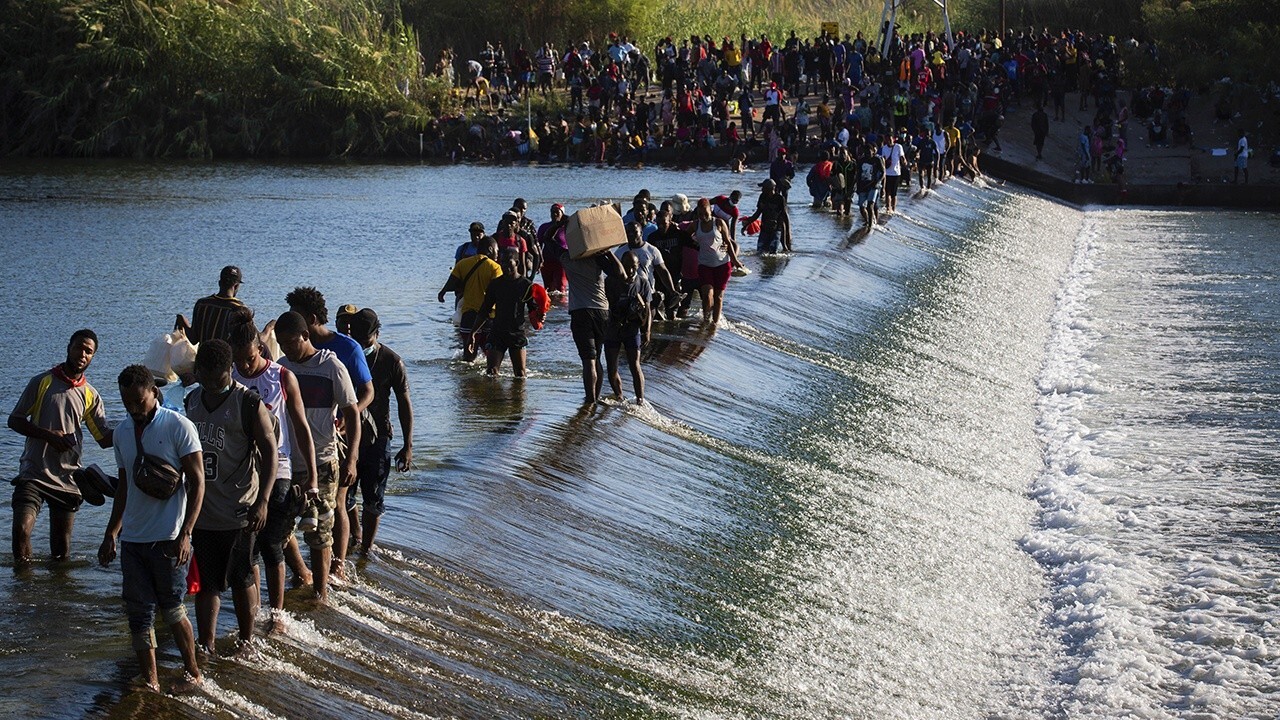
{"x": 351, "y": 355}
{"x": 171, "y": 437}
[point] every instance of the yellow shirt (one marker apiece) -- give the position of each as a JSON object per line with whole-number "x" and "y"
{"x": 477, "y": 282}
{"x": 733, "y": 57}
{"x": 953, "y": 136}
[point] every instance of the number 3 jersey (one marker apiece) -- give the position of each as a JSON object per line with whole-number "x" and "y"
{"x": 230, "y": 469}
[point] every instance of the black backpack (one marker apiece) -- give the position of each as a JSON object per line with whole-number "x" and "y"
{"x": 628, "y": 307}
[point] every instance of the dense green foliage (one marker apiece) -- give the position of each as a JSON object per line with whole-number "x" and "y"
{"x": 193, "y": 78}
{"x": 327, "y": 78}
{"x": 466, "y": 24}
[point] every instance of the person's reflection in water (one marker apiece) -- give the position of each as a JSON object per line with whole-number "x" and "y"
{"x": 772, "y": 266}
{"x": 491, "y": 404}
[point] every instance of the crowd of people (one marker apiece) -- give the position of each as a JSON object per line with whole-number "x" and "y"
{"x": 676, "y": 252}
{"x": 220, "y": 459}
{"x": 805, "y": 94}
{"x": 270, "y": 430}
{"x": 238, "y": 437}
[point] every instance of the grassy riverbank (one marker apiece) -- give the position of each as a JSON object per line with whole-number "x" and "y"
{"x": 184, "y": 78}
{"x": 334, "y": 78}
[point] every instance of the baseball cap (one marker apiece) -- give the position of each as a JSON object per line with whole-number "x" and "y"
{"x": 362, "y": 321}
{"x": 230, "y": 275}
{"x": 476, "y": 227}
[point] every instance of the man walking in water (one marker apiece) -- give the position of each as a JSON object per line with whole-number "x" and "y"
{"x": 211, "y": 317}
{"x": 775, "y": 222}
{"x": 589, "y": 313}
{"x": 893, "y": 163}
{"x": 154, "y": 534}
{"x": 308, "y": 302}
{"x": 238, "y": 438}
{"x": 374, "y": 466}
{"x": 281, "y": 395}
{"x": 326, "y": 392}
{"x": 49, "y": 413}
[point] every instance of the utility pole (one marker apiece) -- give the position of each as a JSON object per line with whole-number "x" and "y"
{"x": 1002, "y": 26}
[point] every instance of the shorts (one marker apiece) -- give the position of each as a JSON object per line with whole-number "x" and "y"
{"x": 891, "y": 185}
{"x": 468, "y": 321}
{"x": 768, "y": 242}
{"x": 327, "y": 482}
{"x": 225, "y": 558}
{"x": 373, "y": 467}
{"x": 151, "y": 579}
{"x": 282, "y": 517}
{"x": 628, "y": 336}
{"x": 588, "y": 326}
{"x": 869, "y": 197}
{"x": 717, "y": 277}
{"x": 33, "y": 494}
{"x": 690, "y": 285}
{"x": 1242, "y": 162}
{"x": 500, "y": 342}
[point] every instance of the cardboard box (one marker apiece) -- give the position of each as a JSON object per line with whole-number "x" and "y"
{"x": 594, "y": 230}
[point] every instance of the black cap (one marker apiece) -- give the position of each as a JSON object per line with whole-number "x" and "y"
{"x": 360, "y": 321}
{"x": 476, "y": 227}
{"x": 231, "y": 275}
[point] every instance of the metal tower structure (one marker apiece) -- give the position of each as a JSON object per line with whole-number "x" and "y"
{"x": 890, "y": 14}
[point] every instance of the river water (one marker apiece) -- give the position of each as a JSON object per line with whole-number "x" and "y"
{"x": 1001, "y": 459}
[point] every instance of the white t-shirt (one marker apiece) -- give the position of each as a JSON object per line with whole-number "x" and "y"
{"x": 1242, "y": 148}
{"x": 649, "y": 257}
{"x": 892, "y": 155}
{"x": 171, "y": 437}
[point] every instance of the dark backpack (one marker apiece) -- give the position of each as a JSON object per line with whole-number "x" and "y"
{"x": 628, "y": 307}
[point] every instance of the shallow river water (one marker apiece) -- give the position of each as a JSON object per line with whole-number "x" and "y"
{"x": 1001, "y": 459}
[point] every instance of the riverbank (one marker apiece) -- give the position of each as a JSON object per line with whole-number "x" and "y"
{"x": 1181, "y": 175}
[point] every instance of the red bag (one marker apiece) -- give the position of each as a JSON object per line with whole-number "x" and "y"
{"x": 751, "y": 228}
{"x": 543, "y": 301}
{"x": 193, "y": 576}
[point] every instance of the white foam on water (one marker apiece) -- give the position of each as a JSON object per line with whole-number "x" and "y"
{"x": 1161, "y": 613}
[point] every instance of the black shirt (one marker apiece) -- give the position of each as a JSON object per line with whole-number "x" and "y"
{"x": 510, "y": 297}
{"x": 211, "y": 316}
{"x": 387, "y": 369}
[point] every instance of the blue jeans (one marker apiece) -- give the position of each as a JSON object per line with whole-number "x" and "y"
{"x": 769, "y": 241}
{"x": 151, "y": 579}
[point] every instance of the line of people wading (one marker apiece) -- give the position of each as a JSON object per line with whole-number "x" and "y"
{"x": 222, "y": 458}
{"x": 220, "y": 461}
